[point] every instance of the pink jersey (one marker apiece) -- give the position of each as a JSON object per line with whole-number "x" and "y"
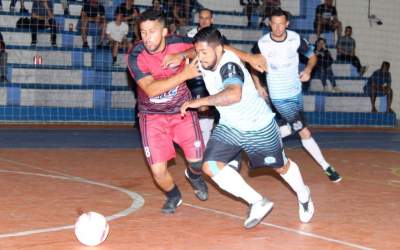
{"x": 141, "y": 64}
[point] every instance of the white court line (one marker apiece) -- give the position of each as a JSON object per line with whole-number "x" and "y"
{"x": 137, "y": 202}
{"x": 291, "y": 230}
{"x": 34, "y": 167}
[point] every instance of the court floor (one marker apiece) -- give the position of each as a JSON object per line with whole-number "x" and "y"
{"x": 49, "y": 176}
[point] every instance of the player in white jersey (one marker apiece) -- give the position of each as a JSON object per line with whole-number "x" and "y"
{"x": 247, "y": 123}
{"x": 196, "y": 85}
{"x": 281, "y": 48}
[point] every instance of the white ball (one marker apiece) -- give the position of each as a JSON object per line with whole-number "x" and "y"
{"x": 91, "y": 228}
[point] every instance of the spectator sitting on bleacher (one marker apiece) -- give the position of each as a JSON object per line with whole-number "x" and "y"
{"x": 206, "y": 19}
{"x": 21, "y": 10}
{"x": 42, "y": 17}
{"x": 92, "y": 11}
{"x": 116, "y": 33}
{"x": 130, "y": 15}
{"x": 3, "y": 62}
{"x": 323, "y": 68}
{"x": 346, "y": 47}
{"x": 380, "y": 83}
{"x": 176, "y": 14}
{"x": 156, "y": 5}
{"x": 250, "y": 9}
{"x": 266, "y": 9}
{"x": 326, "y": 19}
{"x": 65, "y": 5}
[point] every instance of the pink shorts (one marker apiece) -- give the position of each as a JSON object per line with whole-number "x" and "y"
{"x": 160, "y": 131}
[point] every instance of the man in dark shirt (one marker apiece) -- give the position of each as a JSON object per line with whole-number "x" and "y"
{"x": 92, "y": 11}
{"x": 346, "y": 50}
{"x": 3, "y": 62}
{"x": 326, "y": 19}
{"x": 130, "y": 15}
{"x": 380, "y": 83}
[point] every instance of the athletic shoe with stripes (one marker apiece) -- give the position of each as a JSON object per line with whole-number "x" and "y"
{"x": 257, "y": 212}
{"x": 199, "y": 186}
{"x": 332, "y": 174}
{"x": 171, "y": 204}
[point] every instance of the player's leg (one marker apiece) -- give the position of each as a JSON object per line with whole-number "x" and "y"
{"x": 389, "y": 97}
{"x": 314, "y": 150}
{"x": 158, "y": 149}
{"x": 291, "y": 110}
{"x": 218, "y": 153}
{"x": 265, "y": 149}
{"x": 187, "y": 134}
{"x": 290, "y": 172}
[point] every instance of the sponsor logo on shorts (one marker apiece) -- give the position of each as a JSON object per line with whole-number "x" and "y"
{"x": 166, "y": 97}
{"x": 269, "y": 160}
{"x": 197, "y": 144}
{"x": 297, "y": 125}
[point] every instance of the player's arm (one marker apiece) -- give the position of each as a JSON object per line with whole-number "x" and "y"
{"x": 176, "y": 58}
{"x": 262, "y": 91}
{"x": 257, "y": 61}
{"x": 233, "y": 79}
{"x": 154, "y": 87}
{"x": 230, "y": 95}
{"x": 307, "y": 51}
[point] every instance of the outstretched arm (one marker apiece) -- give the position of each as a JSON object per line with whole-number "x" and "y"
{"x": 305, "y": 75}
{"x": 154, "y": 87}
{"x": 257, "y": 61}
{"x": 230, "y": 95}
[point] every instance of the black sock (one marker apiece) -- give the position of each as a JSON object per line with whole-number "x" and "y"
{"x": 192, "y": 175}
{"x": 174, "y": 192}
{"x": 114, "y": 59}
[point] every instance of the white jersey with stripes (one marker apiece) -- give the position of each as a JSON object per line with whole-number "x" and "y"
{"x": 283, "y": 63}
{"x": 251, "y": 112}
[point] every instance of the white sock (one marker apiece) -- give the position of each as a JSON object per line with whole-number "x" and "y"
{"x": 285, "y": 130}
{"x": 232, "y": 182}
{"x": 206, "y": 126}
{"x": 312, "y": 147}
{"x": 295, "y": 181}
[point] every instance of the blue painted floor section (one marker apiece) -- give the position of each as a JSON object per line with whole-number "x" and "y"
{"x": 130, "y": 138}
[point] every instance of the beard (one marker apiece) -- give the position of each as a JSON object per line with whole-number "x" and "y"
{"x": 211, "y": 65}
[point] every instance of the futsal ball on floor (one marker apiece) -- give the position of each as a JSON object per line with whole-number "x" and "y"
{"x": 91, "y": 228}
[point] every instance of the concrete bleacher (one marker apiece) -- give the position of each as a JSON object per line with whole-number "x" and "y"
{"x": 75, "y": 84}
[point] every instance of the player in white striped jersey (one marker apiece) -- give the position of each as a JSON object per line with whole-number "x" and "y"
{"x": 281, "y": 48}
{"x": 247, "y": 123}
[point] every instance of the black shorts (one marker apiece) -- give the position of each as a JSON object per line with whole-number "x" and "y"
{"x": 263, "y": 147}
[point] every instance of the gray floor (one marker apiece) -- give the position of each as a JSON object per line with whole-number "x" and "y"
{"x": 130, "y": 138}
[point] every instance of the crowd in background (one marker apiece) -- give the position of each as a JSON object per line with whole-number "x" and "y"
{"x": 122, "y": 32}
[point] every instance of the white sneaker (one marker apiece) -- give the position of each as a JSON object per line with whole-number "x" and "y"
{"x": 336, "y": 90}
{"x": 306, "y": 210}
{"x": 257, "y": 212}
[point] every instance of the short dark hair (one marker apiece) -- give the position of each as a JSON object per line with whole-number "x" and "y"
{"x": 385, "y": 64}
{"x": 320, "y": 39}
{"x": 279, "y": 12}
{"x": 209, "y": 35}
{"x": 348, "y": 27}
{"x": 206, "y": 9}
{"x": 152, "y": 15}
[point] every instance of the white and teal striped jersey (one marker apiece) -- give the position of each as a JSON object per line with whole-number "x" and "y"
{"x": 283, "y": 63}
{"x": 251, "y": 112}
